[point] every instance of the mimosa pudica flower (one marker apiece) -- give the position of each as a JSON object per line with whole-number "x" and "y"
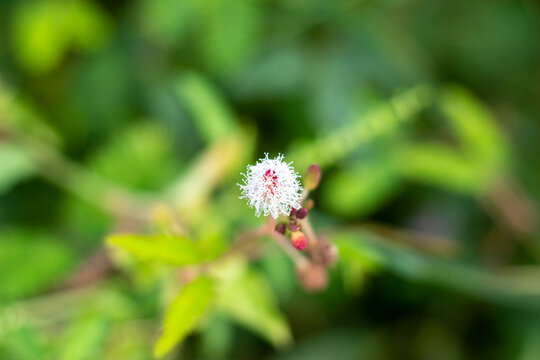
{"x": 271, "y": 186}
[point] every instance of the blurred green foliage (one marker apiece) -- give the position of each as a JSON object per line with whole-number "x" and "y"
{"x": 136, "y": 118}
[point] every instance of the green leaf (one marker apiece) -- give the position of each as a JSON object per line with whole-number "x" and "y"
{"x": 439, "y": 165}
{"x": 512, "y": 286}
{"x": 172, "y": 250}
{"x": 362, "y": 130}
{"x": 166, "y": 21}
{"x": 217, "y": 337}
{"x": 211, "y": 242}
{"x": 211, "y": 115}
{"x": 474, "y": 125}
{"x": 361, "y": 188}
{"x": 280, "y": 273}
{"x": 125, "y": 161}
{"x": 246, "y": 297}
{"x": 24, "y": 343}
{"x": 337, "y": 343}
{"x": 355, "y": 262}
{"x": 30, "y": 262}
{"x": 229, "y": 33}
{"x": 183, "y": 314}
{"x": 530, "y": 348}
{"x": 43, "y": 32}
{"x": 15, "y": 165}
{"x": 19, "y": 116}
{"x": 87, "y": 24}
{"x": 85, "y": 338}
{"x": 37, "y": 36}
{"x": 471, "y": 166}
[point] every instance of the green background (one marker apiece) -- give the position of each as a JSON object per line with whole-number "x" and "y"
{"x": 422, "y": 114}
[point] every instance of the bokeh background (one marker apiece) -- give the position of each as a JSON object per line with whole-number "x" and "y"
{"x": 422, "y": 114}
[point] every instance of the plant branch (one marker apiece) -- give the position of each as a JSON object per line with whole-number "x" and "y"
{"x": 296, "y": 257}
{"x": 308, "y": 230}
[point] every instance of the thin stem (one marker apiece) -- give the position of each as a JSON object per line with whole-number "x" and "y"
{"x": 110, "y": 197}
{"x": 296, "y": 257}
{"x": 243, "y": 244}
{"x": 269, "y": 229}
{"x": 308, "y": 230}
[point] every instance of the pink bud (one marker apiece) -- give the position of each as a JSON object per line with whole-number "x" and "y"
{"x": 298, "y": 240}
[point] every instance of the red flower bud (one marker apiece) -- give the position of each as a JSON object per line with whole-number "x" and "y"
{"x": 280, "y": 228}
{"x": 293, "y": 226}
{"x": 298, "y": 240}
{"x": 302, "y": 213}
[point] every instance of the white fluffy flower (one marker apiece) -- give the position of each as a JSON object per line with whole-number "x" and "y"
{"x": 271, "y": 187}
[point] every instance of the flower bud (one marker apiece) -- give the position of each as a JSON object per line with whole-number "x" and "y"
{"x": 293, "y": 212}
{"x": 293, "y": 226}
{"x": 302, "y": 213}
{"x": 280, "y": 228}
{"x": 187, "y": 274}
{"x": 323, "y": 252}
{"x": 312, "y": 277}
{"x": 298, "y": 240}
{"x": 312, "y": 177}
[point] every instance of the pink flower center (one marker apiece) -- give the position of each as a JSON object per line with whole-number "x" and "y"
{"x": 270, "y": 181}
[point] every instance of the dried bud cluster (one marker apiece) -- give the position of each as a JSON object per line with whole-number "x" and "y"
{"x": 295, "y": 216}
{"x": 321, "y": 255}
{"x": 322, "y": 252}
{"x": 312, "y": 277}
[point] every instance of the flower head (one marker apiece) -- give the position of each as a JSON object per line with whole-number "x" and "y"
{"x": 271, "y": 186}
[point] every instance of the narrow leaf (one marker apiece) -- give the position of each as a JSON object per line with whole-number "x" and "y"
{"x": 474, "y": 125}
{"x": 439, "y": 165}
{"x": 362, "y": 130}
{"x": 211, "y": 115}
{"x": 172, "y": 250}
{"x": 360, "y": 189}
{"x": 183, "y": 313}
{"x": 515, "y": 286}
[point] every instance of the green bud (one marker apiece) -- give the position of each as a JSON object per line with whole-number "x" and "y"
{"x": 312, "y": 177}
